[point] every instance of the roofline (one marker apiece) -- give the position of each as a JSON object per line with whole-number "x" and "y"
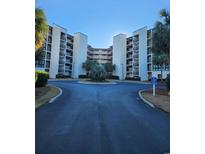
{"x": 119, "y": 34}
{"x": 80, "y": 33}
{"x": 60, "y": 26}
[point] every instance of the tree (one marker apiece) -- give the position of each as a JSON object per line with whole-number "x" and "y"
{"x": 39, "y": 55}
{"x": 87, "y": 65}
{"x": 109, "y": 68}
{"x": 41, "y": 28}
{"x": 161, "y": 41}
{"x": 98, "y": 72}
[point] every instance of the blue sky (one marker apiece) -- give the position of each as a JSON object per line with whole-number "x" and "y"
{"x": 102, "y": 19}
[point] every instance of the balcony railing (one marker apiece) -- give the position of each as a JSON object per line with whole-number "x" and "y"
{"x": 135, "y": 67}
{"x": 129, "y": 57}
{"x": 68, "y": 55}
{"x": 63, "y": 38}
{"x": 68, "y": 61}
{"x": 136, "y": 64}
{"x": 129, "y": 63}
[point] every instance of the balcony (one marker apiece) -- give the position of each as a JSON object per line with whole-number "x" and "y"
{"x": 129, "y": 64}
{"x": 62, "y": 54}
{"x": 149, "y": 43}
{"x": 135, "y": 39}
{"x": 68, "y": 48}
{"x": 68, "y": 55}
{"x": 63, "y": 37}
{"x": 129, "y": 70}
{"x": 136, "y": 56}
{"x": 129, "y": 43}
{"x": 61, "y": 61}
{"x": 135, "y": 67}
{"x": 136, "y": 64}
{"x": 149, "y": 52}
{"x": 69, "y": 42}
{"x": 136, "y": 43}
{"x": 62, "y": 47}
{"x": 67, "y": 68}
{"x": 129, "y": 57}
{"x": 149, "y": 34}
{"x": 68, "y": 61}
{"x": 129, "y": 51}
{"x": 136, "y": 48}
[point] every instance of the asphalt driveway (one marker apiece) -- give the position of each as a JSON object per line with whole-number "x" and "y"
{"x": 101, "y": 119}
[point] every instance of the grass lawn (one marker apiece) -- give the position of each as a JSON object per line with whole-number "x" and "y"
{"x": 44, "y": 94}
{"x": 160, "y": 100}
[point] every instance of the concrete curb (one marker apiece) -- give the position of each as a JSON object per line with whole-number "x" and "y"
{"x": 129, "y": 81}
{"x": 103, "y": 83}
{"x": 55, "y": 97}
{"x": 142, "y": 98}
{"x": 62, "y": 80}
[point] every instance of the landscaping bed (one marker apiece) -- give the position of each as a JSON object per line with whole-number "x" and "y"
{"x": 100, "y": 81}
{"x": 44, "y": 94}
{"x": 160, "y": 100}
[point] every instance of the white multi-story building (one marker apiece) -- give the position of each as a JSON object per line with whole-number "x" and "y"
{"x": 100, "y": 55}
{"x": 63, "y": 54}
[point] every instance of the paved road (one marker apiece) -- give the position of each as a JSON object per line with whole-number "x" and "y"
{"x": 101, "y": 119}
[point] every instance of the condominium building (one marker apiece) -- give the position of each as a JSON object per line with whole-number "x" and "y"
{"x": 100, "y": 55}
{"x": 63, "y": 54}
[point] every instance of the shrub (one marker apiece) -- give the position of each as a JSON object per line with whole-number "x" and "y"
{"x": 168, "y": 81}
{"x": 82, "y": 76}
{"x": 62, "y": 76}
{"x": 59, "y": 75}
{"x": 41, "y": 78}
{"x": 159, "y": 80}
{"x": 114, "y": 77}
{"x": 137, "y": 78}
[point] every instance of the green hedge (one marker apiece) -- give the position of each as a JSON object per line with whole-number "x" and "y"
{"x": 62, "y": 76}
{"x": 114, "y": 77}
{"x": 82, "y": 76}
{"x": 41, "y": 78}
{"x": 133, "y": 78}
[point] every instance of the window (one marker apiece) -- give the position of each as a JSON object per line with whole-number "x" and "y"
{"x": 63, "y": 36}
{"x": 47, "y": 64}
{"x": 40, "y": 63}
{"x": 48, "y": 56}
{"x": 148, "y": 33}
{"x": 49, "y": 47}
{"x": 149, "y": 50}
{"x": 49, "y": 39}
{"x": 50, "y": 30}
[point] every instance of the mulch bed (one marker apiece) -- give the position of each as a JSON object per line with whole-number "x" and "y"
{"x": 41, "y": 91}
{"x": 159, "y": 91}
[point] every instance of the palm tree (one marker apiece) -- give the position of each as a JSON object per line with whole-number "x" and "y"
{"x": 161, "y": 41}
{"x": 109, "y": 67}
{"x": 87, "y": 65}
{"x": 40, "y": 28}
{"x": 166, "y": 16}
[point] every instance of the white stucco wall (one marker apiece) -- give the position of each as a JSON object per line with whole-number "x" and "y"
{"x": 119, "y": 55}
{"x": 79, "y": 54}
{"x": 142, "y": 52}
{"x": 55, "y": 49}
